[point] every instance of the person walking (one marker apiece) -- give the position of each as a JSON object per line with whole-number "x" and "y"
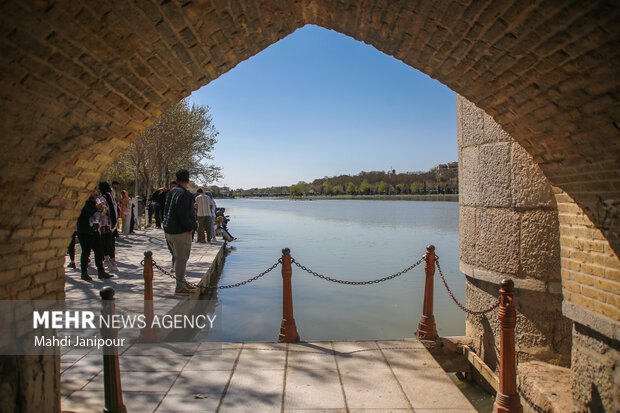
{"x": 125, "y": 212}
{"x": 88, "y": 225}
{"x": 157, "y": 207}
{"x": 116, "y": 195}
{"x": 134, "y": 216}
{"x": 179, "y": 222}
{"x": 109, "y": 224}
{"x": 141, "y": 208}
{"x": 163, "y": 200}
{"x": 204, "y": 208}
{"x": 149, "y": 215}
{"x": 210, "y": 195}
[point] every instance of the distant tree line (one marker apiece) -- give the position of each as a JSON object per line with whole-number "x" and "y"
{"x": 434, "y": 181}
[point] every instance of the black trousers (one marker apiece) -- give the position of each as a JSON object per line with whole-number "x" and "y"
{"x": 107, "y": 241}
{"x": 71, "y": 249}
{"x": 90, "y": 241}
{"x": 159, "y": 216}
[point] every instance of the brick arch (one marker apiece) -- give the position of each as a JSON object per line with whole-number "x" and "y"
{"x": 81, "y": 79}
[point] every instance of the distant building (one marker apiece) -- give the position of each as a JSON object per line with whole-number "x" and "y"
{"x": 451, "y": 165}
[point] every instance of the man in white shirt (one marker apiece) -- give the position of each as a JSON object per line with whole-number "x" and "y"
{"x": 204, "y": 211}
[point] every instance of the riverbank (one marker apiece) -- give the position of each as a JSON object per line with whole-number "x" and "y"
{"x": 417, "y": 197}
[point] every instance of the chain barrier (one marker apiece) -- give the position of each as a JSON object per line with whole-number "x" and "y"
{"x": 326, "y": 278}
{"x": 187, "y": 283}
{"x": 461, "y": 306}
{"x": 192, "y": 285}
{"x": 249, "y": 280}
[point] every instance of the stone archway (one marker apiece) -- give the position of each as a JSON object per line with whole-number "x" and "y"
{"x": 80, "y": 80}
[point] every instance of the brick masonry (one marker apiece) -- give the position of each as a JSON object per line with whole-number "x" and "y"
{"x": 79, "y": 80}
{"x": 591, "y": 289}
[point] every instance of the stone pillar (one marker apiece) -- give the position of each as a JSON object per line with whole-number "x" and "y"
{"x": 30, "y": 384}
{"x": 508, "y": 229}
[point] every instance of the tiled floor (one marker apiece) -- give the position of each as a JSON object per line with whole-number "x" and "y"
{"x": 397, "y": 375}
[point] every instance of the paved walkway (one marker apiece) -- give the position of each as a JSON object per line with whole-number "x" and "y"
{"x": 357, "y": 376}
{"x": 128, "y": 282}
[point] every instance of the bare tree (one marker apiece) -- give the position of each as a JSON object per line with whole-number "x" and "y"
{"x": 182, "y": 138}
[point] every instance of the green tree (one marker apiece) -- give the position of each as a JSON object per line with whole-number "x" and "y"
{"x": 415, "y": 187}
{"x": 298, "y": 189}
{"x": 382, "y": 188}
{"x": 351, "y": 189}
{"x": 365, "y": 187}
{"x": 327, "y": 188}
{"x": 400, "y": 188}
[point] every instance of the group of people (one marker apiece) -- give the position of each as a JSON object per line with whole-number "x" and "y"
{"x": 175, "y": 208}
{"x": 96, "y": 231}
{"x": 205, "y": 208}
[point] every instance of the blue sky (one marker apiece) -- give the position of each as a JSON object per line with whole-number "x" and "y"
{"x": 319, "y": 103}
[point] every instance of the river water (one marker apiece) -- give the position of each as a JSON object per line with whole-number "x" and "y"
{"x": 345, "y": 239}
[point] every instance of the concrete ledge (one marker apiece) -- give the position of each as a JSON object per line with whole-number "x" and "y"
{"x": 553, "y": 287}
{"x": 544, "y": 387}
{"x": 597, "y": 322}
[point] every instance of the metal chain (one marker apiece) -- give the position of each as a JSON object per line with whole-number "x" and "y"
{"x": 192, "y": 285}
{"x": 357, "y": 282}
{"x": 461, "y": 306}
{"x": 187, "y": 283}
{"x": 249, "y": 280}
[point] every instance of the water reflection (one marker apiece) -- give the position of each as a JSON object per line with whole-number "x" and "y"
{"x": 345, "y": 239}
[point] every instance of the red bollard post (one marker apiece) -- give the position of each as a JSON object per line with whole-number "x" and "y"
{"x": 112, "y": 388}
{"x": 288, "y": 329}
{"x": 427, "y": 328}
{"x": 507, "y": 399}
{"x": 148, "y": 333}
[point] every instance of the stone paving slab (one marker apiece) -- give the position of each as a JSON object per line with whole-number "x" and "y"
{"x": 255, "y": 391}
{"x": 361, "y": 376}
{"x": 311, "y": 388}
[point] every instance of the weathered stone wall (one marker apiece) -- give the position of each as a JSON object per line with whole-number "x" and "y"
{"x": 595, "y": 371}
{"x": 81, "y": 79}
{"x": 508, "y": 229}
{"x": 29, "y": 384}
